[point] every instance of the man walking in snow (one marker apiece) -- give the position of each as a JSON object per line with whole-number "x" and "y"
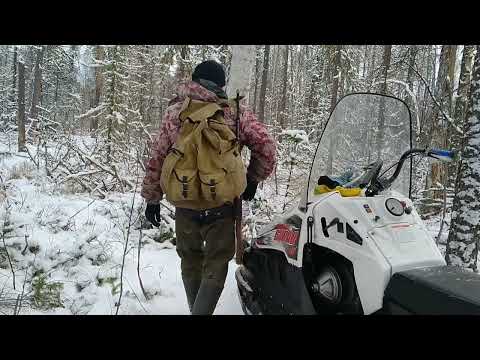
{"x": 204, "y": 229}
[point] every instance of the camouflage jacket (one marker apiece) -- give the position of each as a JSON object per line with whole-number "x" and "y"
{"x": 253, "y": 134}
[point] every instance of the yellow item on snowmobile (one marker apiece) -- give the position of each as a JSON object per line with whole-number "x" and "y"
{"x": 345, "y": 192}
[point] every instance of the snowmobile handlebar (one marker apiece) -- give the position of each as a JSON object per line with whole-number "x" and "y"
{"x": 444, "y": 155}
{"x": 380, "y": 184}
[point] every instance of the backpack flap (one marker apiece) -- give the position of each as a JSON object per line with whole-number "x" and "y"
{"x": 197, "y": 111}
{"x": 214, "y": 187}
{"x": 179, "y": 179}
{"x": 223, "y": 186}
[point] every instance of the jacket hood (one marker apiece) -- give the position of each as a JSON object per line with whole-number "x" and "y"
{"x": 194, "y": 91}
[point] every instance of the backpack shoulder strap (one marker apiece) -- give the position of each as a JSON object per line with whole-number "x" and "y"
{"x": 232, "y": 105}
{"x": 185, "y": 104}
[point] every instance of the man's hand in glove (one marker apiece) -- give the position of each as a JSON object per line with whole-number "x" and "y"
{"x": 152, "y": 213}
{"x": 250, "y": 190}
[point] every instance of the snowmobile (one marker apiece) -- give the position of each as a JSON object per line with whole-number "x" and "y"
{"x": 354, "y": 242}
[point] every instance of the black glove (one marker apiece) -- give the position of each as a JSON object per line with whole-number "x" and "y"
{"x": 250, "y": 190}
{"x": 152, "y": 213}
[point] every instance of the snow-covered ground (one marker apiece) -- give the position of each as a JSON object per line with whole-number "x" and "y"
{"x": 77, "y": 242}
{"x": 71, "y": 246}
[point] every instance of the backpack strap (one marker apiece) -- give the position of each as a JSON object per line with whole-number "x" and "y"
{"x": 185, "y": 104}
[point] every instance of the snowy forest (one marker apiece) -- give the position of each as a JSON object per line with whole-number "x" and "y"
{"x": 76, "y": 124}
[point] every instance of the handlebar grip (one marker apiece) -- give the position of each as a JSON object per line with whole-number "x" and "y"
{"x": 444, "y": 155}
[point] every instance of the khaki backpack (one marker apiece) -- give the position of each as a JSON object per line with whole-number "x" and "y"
{"x": 204, "y": 168}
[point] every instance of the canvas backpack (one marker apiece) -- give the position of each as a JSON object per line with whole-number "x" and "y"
{"x": 204, "y": 168}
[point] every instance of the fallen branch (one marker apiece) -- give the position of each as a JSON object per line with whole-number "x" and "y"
{"x": 166, "y": 207}
{"x": 61, "y": 160}
{"x": 23, "y": 292}
{"x": 9, "y": 259}
{"x": 100, "y": 166}
{"x": 79, "y": 211}
{"x": 31, "y": 157}
{"x": 13, "y": 154}
{"x": 118, "y": 178}
{"x": 76, "y": 178}
{"x": 138, "y": 266}
{"x": 26, "y": 245}
{"x": 126, "y": 245}
{"x": 135, "y": 294}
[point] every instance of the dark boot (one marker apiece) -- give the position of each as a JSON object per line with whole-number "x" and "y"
{"x": 191, "y": 289}
{"x": 207, "y": 298}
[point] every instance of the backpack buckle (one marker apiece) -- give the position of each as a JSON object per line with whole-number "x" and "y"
{"x": 203, "y": 214}
{"x": 184, "y": 187}
{"x": 213, "y": 189}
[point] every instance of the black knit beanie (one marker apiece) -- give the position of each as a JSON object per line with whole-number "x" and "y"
{"x": 210, "y": 70}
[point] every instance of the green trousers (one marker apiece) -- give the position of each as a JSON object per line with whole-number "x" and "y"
{"x": 205, "y": 248}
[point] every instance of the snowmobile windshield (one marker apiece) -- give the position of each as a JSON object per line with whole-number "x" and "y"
{"x": 363, "y": 128}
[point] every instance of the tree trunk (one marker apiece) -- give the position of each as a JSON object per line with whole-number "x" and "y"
{"x": 99, "y": 57}
{"x": 443, "y": 93}
{"x": 463, "y": 242}
{"x": 274, "y": 88}
{"x": 5, "y": 61}
{"x": 21, "y": 107}
{"x": 56, "y": 95}
{"x": 37, "y": 84}
{"x": 319, "y": 77}
{"x": 412, "y": 55}
{"x": 453, "y": 137}
{"x": 372, "y": 63}
{"x": 292, "y": 93}
{"x": 283, "y": 104}
{"x": 240, "y": 70}
{"x": 257, "y": 66}
{"x": 223, "y": 56}
{"x": 463, "y": 89}
{"x": 14, "y": 74}
{"x": 301, "y": 75}
{"x": 183, "y": 69}
{"x": 440, "y": 126}
{"x": 427, "y": 105}
{"x": 365, "y": 57}
{"x": 333, "y": 101}
{"x": 336, "y": 72}
{"x": 312, "y": 99}
{"x": 113, "y": 101}
{"x": 263, "y": 88}
{"x": 387, "y": 55}
{"x": 435, "y": 75}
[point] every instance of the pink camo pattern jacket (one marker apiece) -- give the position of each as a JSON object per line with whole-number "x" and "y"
{"x": 253, "y": 134}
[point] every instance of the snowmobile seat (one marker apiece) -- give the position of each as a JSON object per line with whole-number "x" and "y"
{"x": 438, "y": 290}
